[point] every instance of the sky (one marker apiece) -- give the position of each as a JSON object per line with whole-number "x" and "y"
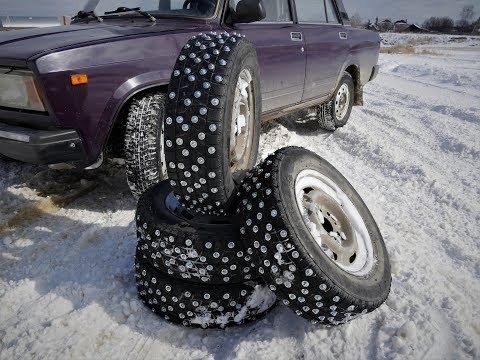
{"x": 412, "y": 10}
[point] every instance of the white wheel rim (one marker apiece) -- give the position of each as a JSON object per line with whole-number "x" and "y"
{"x": 243, "y": 117}
{"x": 342, "y": 102}
{"x": 334, "y": 222}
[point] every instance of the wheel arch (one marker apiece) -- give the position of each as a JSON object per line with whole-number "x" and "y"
{"x": 354, "y": 71}
{"x": 114, "y": 141}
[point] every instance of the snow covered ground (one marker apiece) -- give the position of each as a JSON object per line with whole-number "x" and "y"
{"x": 66, "y": 278}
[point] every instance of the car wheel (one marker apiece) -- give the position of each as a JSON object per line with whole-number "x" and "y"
{"x": 212, "y": 127}
{"x": 186, "y": 245}
{"x": 144, "y": 156}
{"x": 214, "y": 306}
{"x": 336, "y": 112}
{"x": 313, "y": 239}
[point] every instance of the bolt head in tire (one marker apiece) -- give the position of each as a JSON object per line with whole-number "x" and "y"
{"x": 186, "y": 245}
{"x": 205, "y": 306}
{"x": 212, "y": 125}
{"x": 313, "y": 239}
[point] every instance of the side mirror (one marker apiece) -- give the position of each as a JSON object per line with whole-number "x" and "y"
{"x": 248, "y": 11}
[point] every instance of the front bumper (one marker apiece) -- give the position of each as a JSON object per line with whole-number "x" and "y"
{"x": 375, "y": 71}
{"x": 40, "y": 146}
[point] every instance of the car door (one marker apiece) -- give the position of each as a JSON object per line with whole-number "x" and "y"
{"x": 326, "y": 44}
{"x": 281, "y": 54}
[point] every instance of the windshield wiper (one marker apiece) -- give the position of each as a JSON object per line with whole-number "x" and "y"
{"x": 123, "y": 9}
{"x": 87, "y": 14}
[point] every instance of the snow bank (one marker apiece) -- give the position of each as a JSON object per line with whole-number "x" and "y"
{"x": 390, "y": 39}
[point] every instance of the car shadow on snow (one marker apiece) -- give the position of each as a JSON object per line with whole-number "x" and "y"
{"x": 303, "y": 122}
{"x": 89, "y": 263}
{"x": 84, "y": 253}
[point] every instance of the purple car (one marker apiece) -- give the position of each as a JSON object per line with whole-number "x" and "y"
{"x": 77, "y": 93}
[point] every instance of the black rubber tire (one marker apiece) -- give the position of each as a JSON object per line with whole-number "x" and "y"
{"x": 144, "y": 159}
{"x": 188, "y": 246}
{"x": 291, "y": 262}
{"x": 197, "y": 145}
{"x": 205, "y": 306}
{"x": 326, "y": 113}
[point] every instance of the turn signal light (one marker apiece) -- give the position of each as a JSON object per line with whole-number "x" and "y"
{"x": 79, "y": 79}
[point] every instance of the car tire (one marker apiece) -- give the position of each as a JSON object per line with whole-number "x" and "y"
{"x": 336, "y": 112}
{"x": 144, "y": 156}
{"x": 205, "y": 91}
{"x": 205, "y": 306}
{"x": 188, "y": 246}
{"x": 305, "y": 272}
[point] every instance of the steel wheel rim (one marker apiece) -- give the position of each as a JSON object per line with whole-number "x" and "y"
{"x": 341, "y": 234}
{"x": 342, "y": 102}
{"x": 242, "y": 125}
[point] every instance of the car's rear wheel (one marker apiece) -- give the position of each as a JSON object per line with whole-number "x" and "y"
{"x": 336, "y": 112}
{"x": 144, "y": 156}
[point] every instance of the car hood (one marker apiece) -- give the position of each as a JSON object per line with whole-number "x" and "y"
{"x": 20, "y": 45}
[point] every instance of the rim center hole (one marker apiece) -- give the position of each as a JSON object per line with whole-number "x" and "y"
{"x": 327, "y": 225}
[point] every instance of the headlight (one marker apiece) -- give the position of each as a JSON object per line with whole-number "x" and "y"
{"x": 19, "y": 90}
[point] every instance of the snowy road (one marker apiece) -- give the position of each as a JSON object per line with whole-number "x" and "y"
{"x": 413, "y": 151}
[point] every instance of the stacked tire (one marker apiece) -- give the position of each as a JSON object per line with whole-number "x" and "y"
{"x": 219, "y": 243}
{"x": 193, "y": 270}
{"x": 191, "y": 265}
{"x": 312, "y": 239}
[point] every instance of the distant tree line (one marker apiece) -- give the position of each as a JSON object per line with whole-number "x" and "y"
{"x": 439, "y": 24}
{"x": 447, "y": 25}
{"x": 466, "y": 25}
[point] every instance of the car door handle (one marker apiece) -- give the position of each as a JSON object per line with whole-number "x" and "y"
{"x": 343, "y": 35}
{"x": 296, "y": 36}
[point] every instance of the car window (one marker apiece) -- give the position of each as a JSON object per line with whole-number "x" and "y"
{"x": 311, "y": 11}
{"x": 277, "y": 11}
{"x": 331, "y": 12}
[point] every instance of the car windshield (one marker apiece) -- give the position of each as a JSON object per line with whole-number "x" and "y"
{"x": 202, "y": 8}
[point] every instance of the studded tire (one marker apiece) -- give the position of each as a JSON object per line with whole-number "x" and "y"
{"x": 198, "y": 120}
{"x": 144, "y": 158}
{"x": 287, "y": 256}
{"x": 206, "y": 306}
{"x": 188, "y": 246}
{"x": 326, "y": 113}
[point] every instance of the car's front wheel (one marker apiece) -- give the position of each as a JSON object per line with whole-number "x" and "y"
{"x": 144, "y": 155}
